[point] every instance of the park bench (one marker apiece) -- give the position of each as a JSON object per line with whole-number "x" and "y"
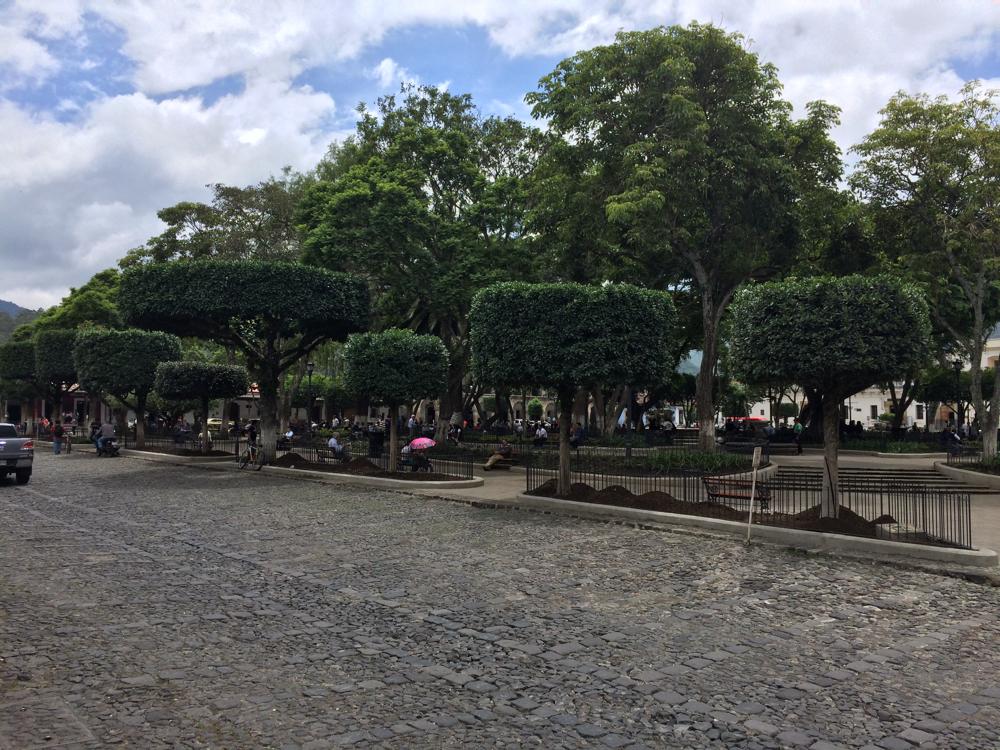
{"x": 324, "y": 455}
{"x": 414, "y": 462}
{"x": 504, "y": 464}
{"x": 736, "y": 492}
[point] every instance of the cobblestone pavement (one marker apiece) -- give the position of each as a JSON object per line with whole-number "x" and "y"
{"x": 147, "y": 605}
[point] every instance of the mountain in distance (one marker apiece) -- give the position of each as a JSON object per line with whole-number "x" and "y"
{"x": 12, "y": 309}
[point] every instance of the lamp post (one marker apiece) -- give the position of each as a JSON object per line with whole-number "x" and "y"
{"x": 957, "y": 364}
{"x": 309, "y": 369}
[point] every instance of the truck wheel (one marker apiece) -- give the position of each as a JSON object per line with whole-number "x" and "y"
{"x": 23, "y": 475}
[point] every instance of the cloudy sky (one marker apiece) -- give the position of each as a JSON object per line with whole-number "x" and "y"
{"x": 112, "y": 109}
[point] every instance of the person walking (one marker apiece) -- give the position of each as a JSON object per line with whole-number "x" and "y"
{"x": 797, "y": 430}
{"x": 57, "y": 436}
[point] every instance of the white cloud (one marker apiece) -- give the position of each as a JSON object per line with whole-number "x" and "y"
{"x": 389, "y": 72}
{"x": 75, "y": 195}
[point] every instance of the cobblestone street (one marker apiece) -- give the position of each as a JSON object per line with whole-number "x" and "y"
{"x": 148, "y": 605}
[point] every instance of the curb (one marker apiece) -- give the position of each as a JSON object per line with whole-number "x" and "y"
{"x": 983, "y": 561}
{"x": 980, "y": 478}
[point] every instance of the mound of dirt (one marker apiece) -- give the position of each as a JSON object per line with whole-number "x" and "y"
{"x": 619, "y": 497}
{"x": 846, "y": 522}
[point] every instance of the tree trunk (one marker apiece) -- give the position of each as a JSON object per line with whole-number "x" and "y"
{"x": 204, "y": 426}
{"x": 267, "y": 385}
{"x": 452, "y": 400}
{"x": 565, "y": 416}
{"x": 394, "y": 437}
{"x": 140, "y": 422}
{"x": 989, "y": 422}
{"x": 580, "y": 406}
{"x": 831, "y": 443}
{"x": 706, "y": 375}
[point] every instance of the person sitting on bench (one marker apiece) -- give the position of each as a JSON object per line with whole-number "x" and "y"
{"x": 503, "y": 451}
{"x": 335, "y": 447}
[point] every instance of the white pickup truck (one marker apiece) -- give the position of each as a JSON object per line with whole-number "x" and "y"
{"x": 16, "y": 454}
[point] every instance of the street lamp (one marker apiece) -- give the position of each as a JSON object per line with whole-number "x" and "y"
{"x": 957, "y": 364}
{"x": 309, "y": 369}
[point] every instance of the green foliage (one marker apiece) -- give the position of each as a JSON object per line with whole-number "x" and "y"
{"x": 54, "y": 356}
{"x": 254, "y": 222}
{"x": 787, "y": 410}
{"x": 93, "y": 304}
{"x": 427, "y": 201}
{"x": 9, "y": 323}
{"x": 234, "y": 301}
{"x": 200, "y": 380}
{"x": 565, "y": 336}
{"x": 836, "y": 335}
{"x": 535, "y": 409}
{"x": 17, "y": 360}
{"x": 122, "y": 362}
{"x": 679, "y": 165}
{"x": 395, "y": 366}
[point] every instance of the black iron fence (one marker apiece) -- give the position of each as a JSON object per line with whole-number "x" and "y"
{"x": 441, "y": 459}
{"x": 971, "y": 457}
{"x": 890, "y": 510}
{"x": 181, "y": 443}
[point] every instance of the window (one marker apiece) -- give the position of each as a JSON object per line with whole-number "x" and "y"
{"x": 762, "y": 412}
{"x": 7, "y": 431}
{"x": 874, "y": 411}
{"x": 920, "y": 411}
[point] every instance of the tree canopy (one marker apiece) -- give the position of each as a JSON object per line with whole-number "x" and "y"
{"x": 203, "y": 381}
{"x": 123, "y": 364}
{"x": 394, "y": 367}
{"x": 273, "y": 312}
{"x": 682, "y": 166}
{"x": 427, "y": 201}
{"x": 567, "y": 336}
{"x": 931, "y": 173}
{"x": 835, "y": 335}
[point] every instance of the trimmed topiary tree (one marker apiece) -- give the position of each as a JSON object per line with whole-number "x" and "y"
{"x": 123, "y": 364}
{"x": 571, "y": 336}
{"x": 17, "y": 361}
{"x": 203, "y": 381}
{"x": 395, "y": 367}
{"x": 835, "y": 335}
{"x": 535, "y": 409}
{"x": 55, "y": 369}
{"x": 275, "y": 313}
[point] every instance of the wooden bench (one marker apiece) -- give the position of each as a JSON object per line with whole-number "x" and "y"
{"x": 324, "y": 455}
{"x": 725, "y": 491}
{"x": 416, "y": 463}
{"x": 504, "y": 464}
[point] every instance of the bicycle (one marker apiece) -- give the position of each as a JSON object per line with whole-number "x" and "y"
{"x": 253, "y": 456}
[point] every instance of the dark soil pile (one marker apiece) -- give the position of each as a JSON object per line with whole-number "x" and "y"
{"x": 619, "y": 497}
{"x": 847, "y": 522}
{"x": 359, "y": 467}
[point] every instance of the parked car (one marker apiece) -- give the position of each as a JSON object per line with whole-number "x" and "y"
{"x": 16, "y": 454}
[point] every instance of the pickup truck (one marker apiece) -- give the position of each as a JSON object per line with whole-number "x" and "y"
{"x": 16, "y": 454}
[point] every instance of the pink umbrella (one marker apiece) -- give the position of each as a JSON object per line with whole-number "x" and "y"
{"x": 420, "y": 444}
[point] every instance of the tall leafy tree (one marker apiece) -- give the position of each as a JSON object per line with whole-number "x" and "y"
{"x": 241, "y": 223}
{"x": 123, "y": 364}
{"x": 569, "y": 336}
{"x": 863, "y": 330}
{"x": 932, "y": 172}
{"x": 54, "y": 365}
{"x": 426, "y": 201}
{"x": 273, "y": 313}
{"x": 93, "y": 304}
{"x": 680, "y": 141}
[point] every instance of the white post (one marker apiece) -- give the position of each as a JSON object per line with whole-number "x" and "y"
{"x": 753, "y": 490}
